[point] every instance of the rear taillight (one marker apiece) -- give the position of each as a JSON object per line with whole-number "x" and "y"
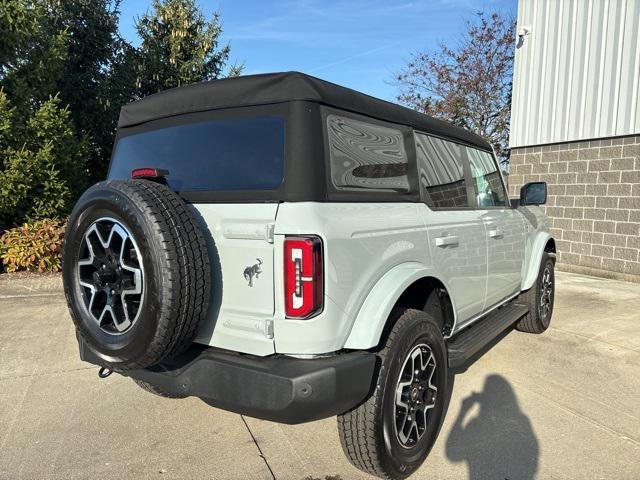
{"x": 303, "y": 278}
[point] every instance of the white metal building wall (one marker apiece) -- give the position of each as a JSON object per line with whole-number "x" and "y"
{"x": 577, "y": 74}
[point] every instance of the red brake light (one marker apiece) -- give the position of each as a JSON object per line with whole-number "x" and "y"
{"x": 148, "y": 173}
{"x": 303, "y": 278}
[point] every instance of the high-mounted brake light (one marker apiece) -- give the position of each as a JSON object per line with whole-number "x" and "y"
{"x": 303, "y": 277}
{"x": 149, "y": 173}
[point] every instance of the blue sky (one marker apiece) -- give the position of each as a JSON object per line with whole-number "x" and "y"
{"x": 355, "y": 43}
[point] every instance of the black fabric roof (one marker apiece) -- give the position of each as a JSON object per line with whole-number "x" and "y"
{"x": 282, "y": 87}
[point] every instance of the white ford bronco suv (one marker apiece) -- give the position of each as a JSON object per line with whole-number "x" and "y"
{"x": 289, "y": 249}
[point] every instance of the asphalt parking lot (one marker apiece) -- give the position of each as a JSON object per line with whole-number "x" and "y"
{"x": 563, "y": 405}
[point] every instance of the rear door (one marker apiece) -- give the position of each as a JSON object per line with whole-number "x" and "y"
{"x": 206, "y": 156}
{"x": 456, "y": 232}
{"x": 504, "y": 226}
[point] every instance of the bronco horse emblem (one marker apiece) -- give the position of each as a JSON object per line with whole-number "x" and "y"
{"x": 253, "y": 271}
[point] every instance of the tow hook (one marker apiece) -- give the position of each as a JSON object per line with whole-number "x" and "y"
{"x": 104, "y": 372}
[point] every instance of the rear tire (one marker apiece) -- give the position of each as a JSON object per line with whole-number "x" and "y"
{"x": 539, "y": 299}
{"x": 379, "y": 436}
{"x": 155, "y": 390}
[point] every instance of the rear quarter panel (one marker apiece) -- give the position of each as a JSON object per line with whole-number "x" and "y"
{"x": 362, "y": 242}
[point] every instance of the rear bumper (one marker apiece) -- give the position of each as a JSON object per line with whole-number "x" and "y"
{"x": 278, "y": 388}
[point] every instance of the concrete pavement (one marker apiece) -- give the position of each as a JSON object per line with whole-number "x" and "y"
{"x": 562, "y": 405}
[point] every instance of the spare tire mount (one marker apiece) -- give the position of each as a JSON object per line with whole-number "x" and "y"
{"x": 136, "y": 273}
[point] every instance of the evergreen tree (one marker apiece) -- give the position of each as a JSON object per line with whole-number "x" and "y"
{"x": 179, "y": 46}
{"x": 18, "y": 22}
{"x": 72, "y": 49}
{"x": 34, "y": 61}
{"x": 98, "y": 76}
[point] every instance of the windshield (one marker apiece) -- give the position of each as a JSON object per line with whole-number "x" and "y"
{"x": 230, "y": 154}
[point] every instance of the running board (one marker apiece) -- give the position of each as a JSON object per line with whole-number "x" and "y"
{"x": 471, "y": 341}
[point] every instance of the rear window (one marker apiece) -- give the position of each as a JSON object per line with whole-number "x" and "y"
{"x": 230, "y": 154}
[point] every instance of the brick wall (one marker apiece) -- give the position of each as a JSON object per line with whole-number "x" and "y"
{"x": 594, "y": 201}
{"x": 448, "y": 195}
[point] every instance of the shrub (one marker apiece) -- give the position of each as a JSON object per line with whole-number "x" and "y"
{"x": 33, "y": 247}
{"x": 41, "y": 164}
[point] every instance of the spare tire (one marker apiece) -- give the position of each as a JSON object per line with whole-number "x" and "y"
{"x": 136, "y": 272}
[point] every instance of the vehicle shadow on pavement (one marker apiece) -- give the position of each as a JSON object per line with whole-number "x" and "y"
{"x": 499, "y": 441}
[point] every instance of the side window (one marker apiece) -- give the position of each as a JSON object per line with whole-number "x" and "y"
{"x": 441, "y": 172}
{"x": 365, "y": 155}
{"x": 487, "y": 185}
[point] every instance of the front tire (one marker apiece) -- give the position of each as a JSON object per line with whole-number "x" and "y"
{"x": 540, "y": 299}
{"x": 391, "y": 433}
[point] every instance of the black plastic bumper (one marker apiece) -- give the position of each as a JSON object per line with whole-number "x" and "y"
{"x": 277, "y": 388}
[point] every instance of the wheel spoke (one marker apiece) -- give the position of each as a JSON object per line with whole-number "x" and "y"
{"x": 430, "y": 384}
{"x": 92, "y": 291}
{"x": 105, "y": 310}
{"x": 416, "y": 368}
{"x": 413, "y": 427}
{"x": 92, "y": 256}
{"x": 121, "y": 324}
{"x": 94, "y": 233}
{"x": 399, "y": 397}
{"x": 401, "y": 430}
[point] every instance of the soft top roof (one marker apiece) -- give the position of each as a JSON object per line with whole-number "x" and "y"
{"x": 272, "y": 88}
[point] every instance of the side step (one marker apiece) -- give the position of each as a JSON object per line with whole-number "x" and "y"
{"x": 472, "y": 340}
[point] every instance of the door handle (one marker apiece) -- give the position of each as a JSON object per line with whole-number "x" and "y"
{"x": 447, "y": 241}
{"x": 496, "y": 233}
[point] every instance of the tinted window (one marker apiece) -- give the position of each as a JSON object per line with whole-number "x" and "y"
{"x": 487, "y": 184}
{"x": 231, "y": 154}
{"x": 364, "y": 155}
{"x": 441, "y": 172}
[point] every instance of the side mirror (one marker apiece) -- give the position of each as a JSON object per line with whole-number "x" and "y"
{"x": 534, "y": 193}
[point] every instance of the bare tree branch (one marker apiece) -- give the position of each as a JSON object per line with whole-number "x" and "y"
{"x": 469, "y": 84}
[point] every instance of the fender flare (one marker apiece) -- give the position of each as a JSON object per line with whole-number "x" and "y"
{"x": 533, "y": 266}
{"x": 375, "y": 310}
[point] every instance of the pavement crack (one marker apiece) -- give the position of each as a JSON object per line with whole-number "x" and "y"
{"x": 273, "y": 476}
{"x": 582, "y": 416}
